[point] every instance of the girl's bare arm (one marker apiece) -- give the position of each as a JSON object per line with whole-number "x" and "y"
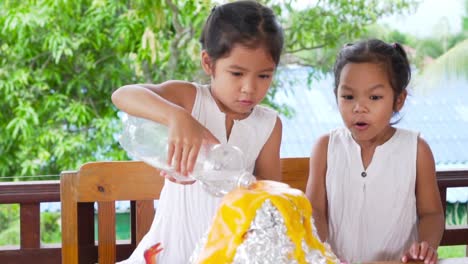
{"x": 429, "y": 206}
{"x": 316, "y": 191}
{"x": 267, "y": 165}
{"x": 431, "y": 221}
{"x": 157, "y": 102}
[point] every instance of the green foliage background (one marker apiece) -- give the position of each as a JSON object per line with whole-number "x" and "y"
{"x": 60, "y": 61}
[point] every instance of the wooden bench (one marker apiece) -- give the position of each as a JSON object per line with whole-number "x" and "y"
{"x": 107, "y": 182}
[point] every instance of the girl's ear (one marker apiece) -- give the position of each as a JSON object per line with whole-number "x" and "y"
{"x": 400, "y": 101}
{"x": 206, "y": 63}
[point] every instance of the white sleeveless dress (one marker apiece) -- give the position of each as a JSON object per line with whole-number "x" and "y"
{"x": 371, "y": 213}
{"x": 185, "y": 212}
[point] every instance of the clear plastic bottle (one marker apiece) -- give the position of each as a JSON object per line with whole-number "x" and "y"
{"x": 219, "y": 168}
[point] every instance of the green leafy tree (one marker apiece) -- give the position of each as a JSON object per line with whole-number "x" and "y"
{"x": 314, "y": 34}
{"x": 60, "y": 61}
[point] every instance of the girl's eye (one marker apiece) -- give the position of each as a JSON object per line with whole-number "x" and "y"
{"x": 375, "y": 97}
{"x": 347, "y": 97}
{"x": 236, "y": 73}
{"x": 264, "y": 76}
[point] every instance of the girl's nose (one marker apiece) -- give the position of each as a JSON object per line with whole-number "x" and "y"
{"x": 359, "y": 107}
{"x": 249, "y": 87}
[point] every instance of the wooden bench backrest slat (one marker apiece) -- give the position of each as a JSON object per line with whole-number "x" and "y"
{"x": 106, "y": 232}
{"x": 143, "y": 210}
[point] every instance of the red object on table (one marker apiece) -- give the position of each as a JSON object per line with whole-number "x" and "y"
{"x": 151, "y": 253}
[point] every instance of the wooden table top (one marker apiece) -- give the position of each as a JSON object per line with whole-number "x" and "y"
{"x": 393, "y": 262}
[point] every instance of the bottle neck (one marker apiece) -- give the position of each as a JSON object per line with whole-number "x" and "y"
{"x": 246, "y": 179}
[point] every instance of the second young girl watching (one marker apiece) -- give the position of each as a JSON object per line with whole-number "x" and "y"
{"x": 241, "y": 47}
{"x": 372, "y": 186}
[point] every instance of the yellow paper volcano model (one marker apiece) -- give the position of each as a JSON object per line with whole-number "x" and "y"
{"x": 267, "y": 223}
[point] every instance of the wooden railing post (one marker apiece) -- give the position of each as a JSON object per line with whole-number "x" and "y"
{"x": 30, "y": 225}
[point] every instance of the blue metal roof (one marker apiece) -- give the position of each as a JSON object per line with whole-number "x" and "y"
{"x": 441, "y": 116}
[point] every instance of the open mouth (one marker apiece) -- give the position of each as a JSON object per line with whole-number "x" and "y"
{"x": 361, "y": 125}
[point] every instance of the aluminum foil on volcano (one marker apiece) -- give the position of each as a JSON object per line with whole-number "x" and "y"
{"x": 267, "y": 242}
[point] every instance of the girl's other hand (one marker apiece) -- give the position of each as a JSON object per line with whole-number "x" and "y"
{"x": 186, "y": 136}
{"x": 421, "y": 252}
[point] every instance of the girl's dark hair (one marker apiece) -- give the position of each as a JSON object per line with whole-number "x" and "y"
{"x": 391, "y": 56}
{"x": 242, "y": 22}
